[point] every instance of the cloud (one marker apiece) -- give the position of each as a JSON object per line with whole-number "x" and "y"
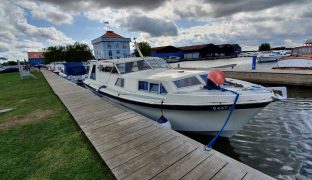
{"x": 153, "y": 27}
{"x": 18, "y": 36}
{"x": 228, "y": 7}
{"x": 47, "y": 12}
{"x": 82, "y": 4}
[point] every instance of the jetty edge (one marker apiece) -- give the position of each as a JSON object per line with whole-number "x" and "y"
{"x": 135, "y": 147}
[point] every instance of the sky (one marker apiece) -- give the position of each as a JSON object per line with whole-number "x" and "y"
{"x": 31, "y": 25}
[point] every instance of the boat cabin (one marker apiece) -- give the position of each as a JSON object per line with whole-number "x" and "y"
{"x": 149, "y": 75}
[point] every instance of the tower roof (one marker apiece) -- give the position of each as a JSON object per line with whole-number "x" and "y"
{"x": 111, "y": 34}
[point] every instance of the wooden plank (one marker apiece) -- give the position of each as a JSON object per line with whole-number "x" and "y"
{"x": 150, "y": 130}
{"x": 139, "y": 150}
{"x": 114, "y": 127}
{"x": 119, "y": 134}
{"x": 135, "y": 140}
{"x": 230, "y": 172}
{"x": 127, "y": 168}
{"x": 185, "y": 165}
{"x": 100, "y": 123}
{"x": 207, "y": 169}
{"x": 157, "y": 165}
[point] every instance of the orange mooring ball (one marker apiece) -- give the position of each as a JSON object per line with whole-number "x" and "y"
{"x": 217, "y": 77}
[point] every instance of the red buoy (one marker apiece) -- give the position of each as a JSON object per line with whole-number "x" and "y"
{"x": 217, "y": 77}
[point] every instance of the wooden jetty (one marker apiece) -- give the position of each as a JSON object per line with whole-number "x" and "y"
{"x": 135, "y": 147}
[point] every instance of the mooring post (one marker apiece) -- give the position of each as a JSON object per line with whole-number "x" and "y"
{"x": 254, "y": 62}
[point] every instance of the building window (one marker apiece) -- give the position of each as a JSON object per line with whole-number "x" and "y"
{"x": 110, "y": 54}
{"x": 117, "y": 45}
{"x": 120, "y": 82}
{"x": 109, "y": 46}
{"x": 117, "y": 52}
{"x": 143, "y": 86}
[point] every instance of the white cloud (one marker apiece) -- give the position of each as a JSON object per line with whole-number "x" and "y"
{"x": 48, "y": 12}
{"x": 18, "y": 36}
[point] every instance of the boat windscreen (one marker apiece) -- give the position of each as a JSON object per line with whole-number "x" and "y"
{"x": 158, "y": 63}
{"x": 134, "y": 66}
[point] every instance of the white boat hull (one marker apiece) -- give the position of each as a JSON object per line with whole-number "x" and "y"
{"x": 267, "y": 59}
{"x": 201, "y": 122}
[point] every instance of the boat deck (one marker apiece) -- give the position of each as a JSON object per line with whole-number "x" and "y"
{"x": 135, "y": 147}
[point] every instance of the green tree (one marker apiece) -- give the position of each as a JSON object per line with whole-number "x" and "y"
{"x": 144, "y": 47}
{"x": 71, "y": 53}
{"x": 265, "y": 47}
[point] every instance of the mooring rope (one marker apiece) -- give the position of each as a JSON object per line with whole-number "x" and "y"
{"x": 209, "y": 146}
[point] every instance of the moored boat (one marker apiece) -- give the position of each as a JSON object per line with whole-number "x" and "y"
{"x": 73, "y": 71}
{"x": 268, "y": 57}
{"x": 151, "y": 87}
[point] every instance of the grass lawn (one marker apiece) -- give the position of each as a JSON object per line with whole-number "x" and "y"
{"x": 38, "y": 138}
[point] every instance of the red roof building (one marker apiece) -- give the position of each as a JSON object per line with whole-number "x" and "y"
{"x": 111, "y": 46}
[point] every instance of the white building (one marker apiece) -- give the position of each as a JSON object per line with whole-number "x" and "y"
{"x": 111, "y": 46}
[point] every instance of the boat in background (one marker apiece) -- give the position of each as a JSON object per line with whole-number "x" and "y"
{"x": 73, "y": 71}
{"x": 264, "y": 57}
{"x": 300, "y": 58}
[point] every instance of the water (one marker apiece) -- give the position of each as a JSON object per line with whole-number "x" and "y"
{"x": 278, "y": 140}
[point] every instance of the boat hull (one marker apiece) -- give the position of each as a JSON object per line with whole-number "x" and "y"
{"x": 267, "y": 59}
{"x": 200, "y": 122}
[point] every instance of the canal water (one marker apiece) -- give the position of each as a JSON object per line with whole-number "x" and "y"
{"x": 278, "y": 140}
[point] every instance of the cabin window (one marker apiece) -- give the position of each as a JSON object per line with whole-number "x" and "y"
{"x": 163, "y": 89}
{"x": 186, "y": 82}
{"x": 135, "y": 66}
{"x": 120, "y": 82}
{"x": 93, "y": 75}
{"x": 204, "y": 77}
{"x": 153, "y": 88}
{"x": 143, "y": 86}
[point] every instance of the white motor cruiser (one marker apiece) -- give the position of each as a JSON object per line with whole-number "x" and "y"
{"x": 268, "y": 57}
{"x": 151, "y": 87}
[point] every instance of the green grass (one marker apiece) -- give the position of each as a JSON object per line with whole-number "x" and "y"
{"x": 42, "y": 140}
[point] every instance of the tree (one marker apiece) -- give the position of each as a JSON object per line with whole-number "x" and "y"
{"x": 71, "y": 53}
{"x": 265, "y": 47}
{"x": 144, "y": 47}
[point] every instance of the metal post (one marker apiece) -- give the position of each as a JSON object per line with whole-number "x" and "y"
{"x": 254, "y": 62}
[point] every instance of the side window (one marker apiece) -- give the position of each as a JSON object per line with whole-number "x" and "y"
{"x": 120, "y": 82}
{"x": 93, "y": 75}
{"x": 143, "y": 86}
{"x": 162, "y": 89}
{"x": 204, "y": 77}
{"x": 153, "y": 88}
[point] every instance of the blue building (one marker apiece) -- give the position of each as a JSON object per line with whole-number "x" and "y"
{"x": 166, "y": 51}
{"x": 35, "y": 58}
{"x": 111, "y": 46}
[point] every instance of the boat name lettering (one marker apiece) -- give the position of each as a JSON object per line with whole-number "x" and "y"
{"x": 217, "y": 108}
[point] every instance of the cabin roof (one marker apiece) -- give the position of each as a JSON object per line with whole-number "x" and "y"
{"x": 123, "y": 60}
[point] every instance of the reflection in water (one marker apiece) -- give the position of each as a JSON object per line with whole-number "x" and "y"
{"x": 278, "y": 141}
